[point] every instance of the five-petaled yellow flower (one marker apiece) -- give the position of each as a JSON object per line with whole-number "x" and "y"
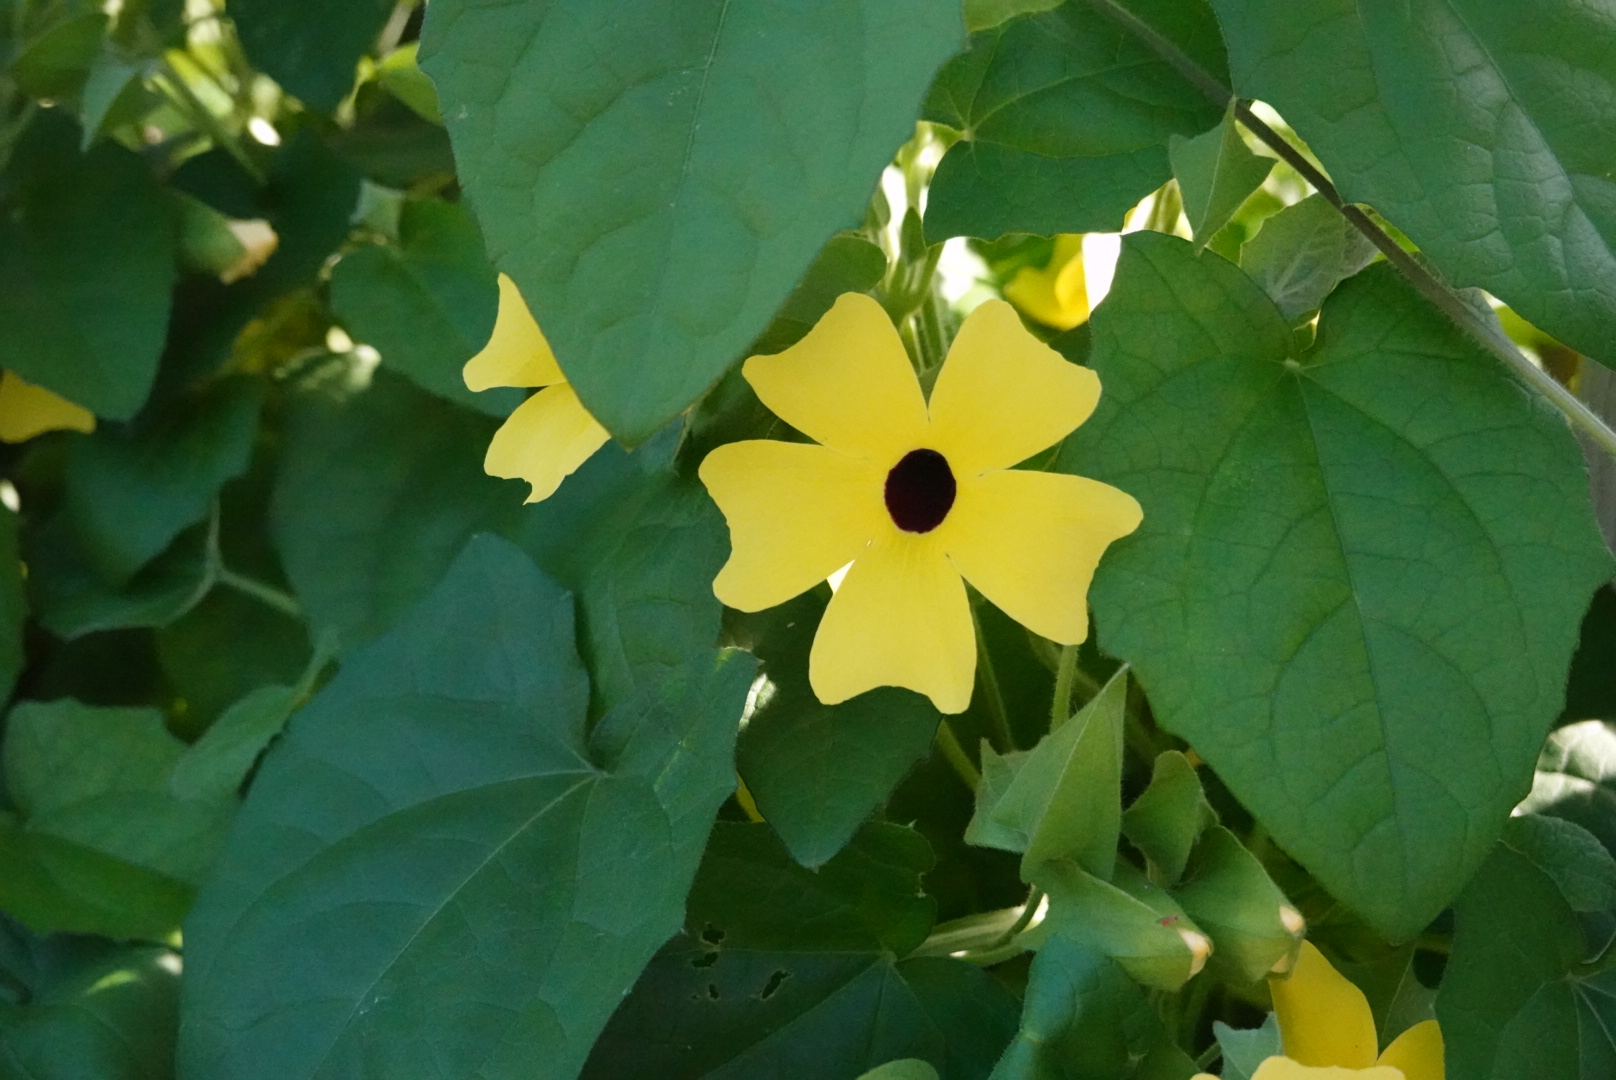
{"x": 1058, "y": 294}
{"x": 551, "y": 433}
{"x": 1329, "y": 1033}
{"x": 914, "y": 496}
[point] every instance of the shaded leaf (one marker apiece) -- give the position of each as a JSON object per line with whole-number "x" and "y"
{"x": 1576, "y": 779}
{"x": 1302, "y": 253}
{"x": 1244, "y": 1051}
{"x": 1132, "y": 922}
{"x": 1167, "y": 818}
{"x": 50, "y": 884}
{"x": 1231, "y": 898}
{"x": 13, "y": 604}
{"x": 1387, "y": 560}
{"x": 1570, "y": 855}
{"x": 310, "y": 47}
{"x": 72, "y": 599}
{"x": 218, "y": 762}
{"x": 902, "y": 1069}
{"x": 495, "y": 877}
{"x": 750, "y": 133}
{"x": 1591, "y": 688}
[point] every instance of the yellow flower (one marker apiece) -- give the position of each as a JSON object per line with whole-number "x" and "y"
{"x": 915, "y": 497}
{"x": 551, "y": 433}
{"x": 1058, "y": 294}
{"x": 1329, "y": 1033}
{"x": 27, "y": 410}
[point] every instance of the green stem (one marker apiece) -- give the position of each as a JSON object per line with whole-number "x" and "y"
{"x": 185, "y": 99}
{"x": 997, "y": 713}
{"x": 282, "y": 602}
{"x": 1436, "y": 291}
{"x": 957, "y": 757}
{"x": 1060, "y": 708}
{"x": 1035, "y": 897}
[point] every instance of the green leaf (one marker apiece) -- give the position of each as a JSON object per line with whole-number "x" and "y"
{"x": 217, "y": 763}
{"x": 866, "y": 899}
{"x": 1302, "y": 253}
{"x": 72, "y": 599}
{"x": 1570, "y": 855}
{"x": 1576, "y": 779}
{"x": 706, "y": 1011}
{"x": 639, "y": 547}
{"x": 1083, "y": 1019}
{"x": 492, "y": 877}
{"x": 131, "y": 489}
{"x": 1481, "y": 128}
{"x": 13, "y": 605}
{"x": 86, "y": 262}
{"x": 1066, "y": 118}
{"x": 1385, "y": 542}
{"x": 1244, "y": 1051}
{"x": 99, "y": 777}
{"x": 656, "y": 181}
{"x": 1165, "y": 821}
{"x": 1062, "y": 802}
{"x": 308, "y": 46}
{"x": 985, "y": 14}
{"x": 56, "y": 63}
{"x": 1137, "y": 926}
{"x": 93, "y": 1010}
{"x": 902, "y": 1069}
{"x": 817, "y": 772}
{"x": 226, "y": 647}
{"x": 52, "y": 885}
{"x": 1591, "y": 689}
{"x": 405, "y": 80}
{"x": 1216, "y": 173}
{"x": 376, "y": 494}
{"x": 427, "y": 304}
{"x": 845, "y": 264}
{"x": 1514, "y": 1004}
{"x": 1231, "y": 898}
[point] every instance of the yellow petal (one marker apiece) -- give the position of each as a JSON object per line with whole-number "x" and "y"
{"x": 1282, "y": 1068}
{"x": 1323, "y": 1018}
{"x": 1056, "y": 295}
{"x": 544, "y": 441}
{"x": 900, "y": 618}
{"x": 847, "y": 384}
{"x": 517, "y": 353}
{"x": 1417, "y": 1052}
{"x": 796, "y": 512}
{"x": 1003, "y": 395}
{"x": 27, "y": 410}
{"x": 1029, "y": 541}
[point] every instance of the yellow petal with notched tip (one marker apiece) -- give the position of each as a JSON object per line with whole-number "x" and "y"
{"x": 1057, "y": 295}
{"x": 27, "y": 410}
{"x": 1323, "y": 1018}
{"x": 1003, "y": 395}
{"x": 847, "y": 385}
{"x": 1029, "y": 542}
{"x": 796, "y": 512}
{"x": 517, "y": 353}
{"x": 1281, "y": 1068}
{"x": 900, "y": 618}
{"x": 1417, "y": 1052}
{"x": 544, "y": 441}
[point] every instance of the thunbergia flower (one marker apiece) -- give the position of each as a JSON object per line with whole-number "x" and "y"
{"x": 1328, "y": 1032}
{"x": 27, "y": 410}
{"x": 1056, "y": 295}
{"x": 551, "y": 433}
{"x": 916, "y": 497}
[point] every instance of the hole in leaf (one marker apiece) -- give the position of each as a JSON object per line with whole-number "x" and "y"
{"x": 705, "y": 960}
{"x": 773, "y": 984}
{"x": 712, "y": 935}
{"x": 712, "y": 991}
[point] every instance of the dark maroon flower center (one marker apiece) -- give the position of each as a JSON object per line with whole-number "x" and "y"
{"x": 920, "y": 491}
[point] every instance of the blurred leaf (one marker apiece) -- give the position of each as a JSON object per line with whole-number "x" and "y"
{"x": 428, "y": 304}
{"x": 113, "y": 91}
{"x": 752, "y": 131}
{"x": 1066, "y": 118}
{"x": 866, "y": 899}
{"x": 1062, "y": 801}
{"x": 1570, "y": 855}
{"x": 1576, "y": 779}
{"x": 310, "y": 47}
{"x": 100, "y": 777}
{"x": 13, "y": 604}
{"x": 705, "y": 1010}
{"x": 72, "y": 599}
{"x": 95, "y": 1011}
{"x": 217, "y": 763}
{"x": 376, "y": 494}
{"x": 1389, "y": 559}
{"x": 86, "y": 263}
{"x": 1083, "y": 1019}
{"x": 1514, "y": 1004}
{"x": 1591, "y": 689}
{"x": 817, "y": 772}
{"x": 845, "y": 264}
{"x": 1167, "y": 818}
{"x": 489, "y": 910}
{"x": 1480, "y": 128}
{"x": 131, "y": 489}
{"x": 56, "y": 63}
{"x": 405, "y": 80}
{"x": 392, "y": 145}
{"x": 1232, "y": 899}
{"x": 1245, "y": 1051}
{"x": 902, "y": 1069}
{"x": 1215, "y": 173}
{"x": 1302, "y": 253}
{"x": 983, "y": 14}
{"x": 51, "y": 884}
{"x": 225, "y": 647}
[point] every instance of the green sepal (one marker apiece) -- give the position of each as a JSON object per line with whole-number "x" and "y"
{"x": 1165, "y": 821}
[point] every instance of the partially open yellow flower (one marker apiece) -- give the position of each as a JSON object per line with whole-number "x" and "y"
{"x": 1058, "y": 294}
{"x": 915, "y": 497}
{"x": 551, "y": 433}
{"x": 1329, "y": 1033}
{"x": 27, "y": 410}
